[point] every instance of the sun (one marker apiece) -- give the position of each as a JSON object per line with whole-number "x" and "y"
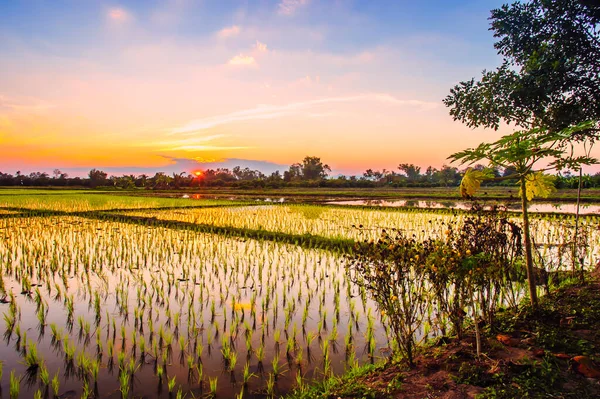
{"x": 198, "y": 173}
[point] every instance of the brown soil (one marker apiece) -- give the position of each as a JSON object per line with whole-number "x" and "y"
{"x": 439, "y": 370}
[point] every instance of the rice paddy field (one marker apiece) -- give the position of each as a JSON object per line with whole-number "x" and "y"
{"x": 115, "y": 296}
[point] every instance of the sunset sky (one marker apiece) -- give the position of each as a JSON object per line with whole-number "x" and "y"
{"x": 162, "y": 85}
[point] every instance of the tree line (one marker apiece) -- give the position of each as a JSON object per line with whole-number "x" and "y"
{"x": 311, "y": 172}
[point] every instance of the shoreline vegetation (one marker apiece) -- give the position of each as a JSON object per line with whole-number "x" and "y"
{"x": 551, "y": 352}
{"x": 316, "y": 194}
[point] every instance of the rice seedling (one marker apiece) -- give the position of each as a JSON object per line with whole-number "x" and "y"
{"x": 232, "y": 361}
{"x": 32, "y": 359}
{"x": 55, "y": 384}
{"x": 85, "y": 392}
{"x": 94, "y": 369}
{"x": 186, "y": 283}
{"x": 213, "y": 386}
{"x": 275, "y": 366}
{"x": 199, "y": 374}
{"x": 10, "y": 321}
{"x": 246, "y": 375}
{"x": 124, "y": 384}
{"x": 14, "y": 385}
{"x": 271, "y": 385}
{"x": 300, "y": 384}
{"x": 171, "y": 384}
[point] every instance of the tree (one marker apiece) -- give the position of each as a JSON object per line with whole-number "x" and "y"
{"x": 141, "y": 180}
{"x": 161, "y": 181}
{"x": 97, "y": 178}
{"x": 509, "y": 171}
{"x": 522, "y": 151}
{"x": 412, "y": 172}
{"x": 550, "y": 75}
{"x": 314, "y": 169}
{"x": 447, "y": 176}
{"x": 311, "y": 168}
{"x": 369, "y": 174}
{"x": 294, "y": 173}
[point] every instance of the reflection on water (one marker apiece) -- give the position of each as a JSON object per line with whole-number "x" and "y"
{"x": 547, "y": 207}
{"x": 145, "y": 298}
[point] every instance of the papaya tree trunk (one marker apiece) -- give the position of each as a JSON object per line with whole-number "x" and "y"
{"x": 528, "y": 249}
{"x": 575, "y": 252}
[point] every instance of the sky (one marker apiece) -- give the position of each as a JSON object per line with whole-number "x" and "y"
{"x": 178, "y": 85}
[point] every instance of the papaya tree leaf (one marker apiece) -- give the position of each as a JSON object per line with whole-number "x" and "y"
{"x": 472, "y": 179}
{"x": 538, "y": 185}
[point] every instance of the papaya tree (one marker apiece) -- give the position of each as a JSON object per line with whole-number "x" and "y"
{"x": 530, "y": 154}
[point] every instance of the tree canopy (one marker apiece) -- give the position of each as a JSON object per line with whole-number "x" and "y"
{"x": 311, "y": 168}
{"x": 550, "y": 74}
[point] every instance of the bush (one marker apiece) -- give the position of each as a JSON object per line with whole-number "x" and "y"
{"x": 466, "y": 272}
{"x": 391, "y": 271}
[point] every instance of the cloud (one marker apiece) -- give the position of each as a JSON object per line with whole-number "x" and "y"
{"x": 289, "y": 7}
{"x": 228, "y": 32}
{"x": 23, "y": 105}
{"x": 192, "y": 144}
{"x": 276, "y": 111}
{"x": 242, "y": 60}
{"x": 118, "y": 14}
{"x": 206, "y": 148}
{"x": 200, "y": 163}
{"x": 170, "y": 144}
{"x": 260, "y": 47}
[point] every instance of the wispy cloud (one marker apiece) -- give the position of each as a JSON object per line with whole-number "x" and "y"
{"x": 276, "y": 111}
{"x": 118, "y": 14}
{"x": 228, "y": 32}
{"x": 192, "y": 144}
{"x": 199, "y": 162}
{"x": 206, "y": 148}
{"x": 260, "y": 47}
{"x": 289, "y": 7}
{"x": 181, "y": 142}
{"x": 23, "y": 105}
{"x": 242, "y": 60}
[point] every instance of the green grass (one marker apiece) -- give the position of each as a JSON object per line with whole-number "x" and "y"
{"x": 349, "y": 385}
{"x": 46, "y": 191}
{"x": 87, "y": 201}
{"x": 556, "y": 328}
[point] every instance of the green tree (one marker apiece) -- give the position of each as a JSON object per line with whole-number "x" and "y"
{"x": 549, "y": 77}
{"x": 412, "y": 172}
{"x": 314, "y": 169}
{"x": 161, "y": 181}
{"x": 550, "y": 74}
{"x": 294, "y": 173}
{"x": 97, "y": 178}
{"x": 522, "y": 151}
{"x": 447, "y": 176}
{"x": 311, "y": 168}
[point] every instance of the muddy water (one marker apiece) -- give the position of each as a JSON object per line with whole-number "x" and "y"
{"x": 146, "y": 278}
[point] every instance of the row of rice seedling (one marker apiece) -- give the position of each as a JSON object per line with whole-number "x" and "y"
{"x": 331, "y": 222}
{"x": 100, "y": 307}
{"x": 83, "y": 202}
{"x": 549, "y": 231}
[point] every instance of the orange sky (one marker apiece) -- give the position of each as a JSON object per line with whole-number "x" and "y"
{"x": 130, "y": 91}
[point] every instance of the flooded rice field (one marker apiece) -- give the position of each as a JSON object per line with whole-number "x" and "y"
{"x": 88, "y": 302}
{"x": 123, "y": 297}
